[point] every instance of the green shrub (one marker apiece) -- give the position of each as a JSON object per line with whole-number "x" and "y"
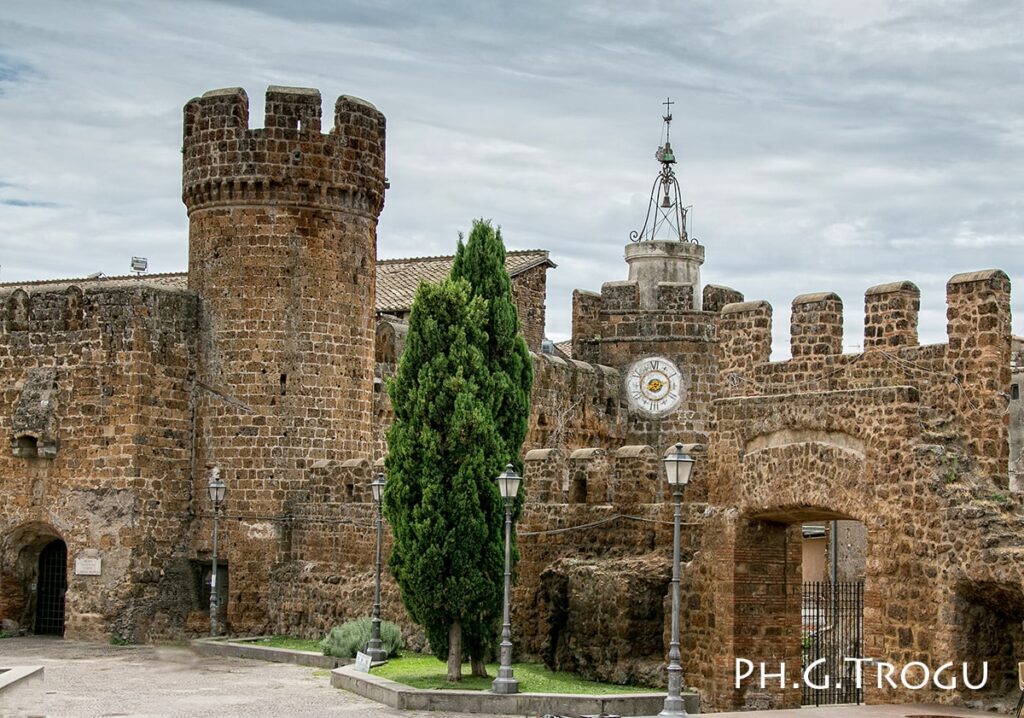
{"x": 343, "y": 641}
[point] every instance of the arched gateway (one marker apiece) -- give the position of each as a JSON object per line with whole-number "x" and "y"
{"x": 33, "y": 578}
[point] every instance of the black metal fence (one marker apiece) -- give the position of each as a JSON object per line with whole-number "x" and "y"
{"x": 832, "y": 631}
{"x": 51, "y": 585}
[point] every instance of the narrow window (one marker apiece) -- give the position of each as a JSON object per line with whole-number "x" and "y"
{"x": 27, "y": 447}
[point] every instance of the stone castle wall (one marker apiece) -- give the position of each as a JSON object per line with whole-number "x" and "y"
{"x": 272, "y": 367}
{"x": 529, "y": 290}
{"x": 911, "y": 441}
{"x": 1016, "y": 413}
{"x": 101, "y": 381}
{"x": 282, "y": 252}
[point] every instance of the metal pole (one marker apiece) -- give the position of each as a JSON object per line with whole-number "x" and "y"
{"x": 834, "y": 551}
{"x": 213, "y": 575}
{"x": 375, "y": 648}
{"x": 674, "y": 701}
{"x": 505, "y": 682}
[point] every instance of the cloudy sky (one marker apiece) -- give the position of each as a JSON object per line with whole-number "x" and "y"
{"x": 824, "y": 144}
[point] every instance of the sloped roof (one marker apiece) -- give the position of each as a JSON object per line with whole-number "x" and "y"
{"x": 397, "y": 279}
{"x": 166, "y": 280}
{"x": 565, "y": 347}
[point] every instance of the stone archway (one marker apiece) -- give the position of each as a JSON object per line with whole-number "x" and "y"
{"x": 770, "y": 621}
{"x": 786, "y": 478}
{"x": 20, "y": 552}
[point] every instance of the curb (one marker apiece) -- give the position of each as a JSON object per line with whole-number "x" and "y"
{"x": 403, "y": 697}
{"x": 238, "y": 648}
{"x": 21, "y": 691}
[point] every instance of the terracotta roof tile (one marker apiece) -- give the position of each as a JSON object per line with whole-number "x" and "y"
{"x": 168, "y": 280}
{"x": 397, "y": 279}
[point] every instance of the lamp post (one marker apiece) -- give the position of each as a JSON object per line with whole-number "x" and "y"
{"x": 508, "y": 485}
{"x": 678, "y": 465}
{"x": 375, "y": 648}
{"x": 217, "y": 489}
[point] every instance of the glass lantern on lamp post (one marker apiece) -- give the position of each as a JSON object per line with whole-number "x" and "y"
{"x": 678, "y": 465}
{"x": 375, "y": 648}
{"x": 218, "y": 489}
{"x": 505, "y": 683}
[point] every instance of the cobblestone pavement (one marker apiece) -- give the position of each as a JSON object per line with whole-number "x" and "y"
{"x": 91, "y": 680}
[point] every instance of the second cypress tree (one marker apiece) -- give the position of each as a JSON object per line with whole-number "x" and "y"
{"x": 480, "y": 261}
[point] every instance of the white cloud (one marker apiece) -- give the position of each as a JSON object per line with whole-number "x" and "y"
{"x": 824, "y": 145}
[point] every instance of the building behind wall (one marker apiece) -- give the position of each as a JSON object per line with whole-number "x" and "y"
{"x": 268, "y": 359}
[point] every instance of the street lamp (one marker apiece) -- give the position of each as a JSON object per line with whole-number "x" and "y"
{"x": 375, "y": 648}
{"x": 508, "y": 485}
{"x": 678, "y": 465}
{"x": 217, "y": 489}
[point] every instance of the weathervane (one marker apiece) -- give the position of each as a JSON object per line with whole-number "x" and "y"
{"x": 666, "y": 217}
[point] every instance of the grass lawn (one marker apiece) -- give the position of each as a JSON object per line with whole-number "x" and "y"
{"x": 295, "y": 644}
{"x": 425, "y": 671}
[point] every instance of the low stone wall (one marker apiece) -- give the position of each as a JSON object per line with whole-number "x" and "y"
{"x": 21, "y": 691}
{"x": 403, "y": 697}
{"x": 244, "y": 648}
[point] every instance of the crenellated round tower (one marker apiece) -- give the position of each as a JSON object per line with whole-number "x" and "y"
{"x": 282, "y": 252}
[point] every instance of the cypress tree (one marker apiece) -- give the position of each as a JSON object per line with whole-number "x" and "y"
{"x": 481, "y": 262}
{"x": 441, "y": 501}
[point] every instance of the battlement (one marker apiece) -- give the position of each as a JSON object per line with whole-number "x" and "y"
{"x": 584, "y": 476}
{"x": 978, "y": 305}
{"x": 890, "y": 315}
{"x": 59, "y": 312}
{"x": 625, "y": 477}
{"x": 288, "y": 160}
{"x": 816, "y": 325}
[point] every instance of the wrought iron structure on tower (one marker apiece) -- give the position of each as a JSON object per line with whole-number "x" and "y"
{"x": 666, "y": 214}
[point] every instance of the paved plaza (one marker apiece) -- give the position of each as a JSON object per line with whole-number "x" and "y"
{"x": 90, "y": 680}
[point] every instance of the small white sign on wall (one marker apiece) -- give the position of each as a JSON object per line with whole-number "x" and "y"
{"x": 88, "y": 566}
{"x": 362, "y": 662}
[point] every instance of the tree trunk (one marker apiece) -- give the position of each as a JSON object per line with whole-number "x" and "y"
{"x": 479, "y": 666}
{"x": 455, "y": 652}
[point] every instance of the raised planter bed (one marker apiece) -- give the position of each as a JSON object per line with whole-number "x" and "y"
{"x": 403, "y": 697}
{"x": 246, "y": 648}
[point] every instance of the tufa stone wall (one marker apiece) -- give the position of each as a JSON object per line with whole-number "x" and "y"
{"x": 271, "y": 365}
{"x": 1016, "y": 415}
{"x": 909, "y": 441}
{"x": 282, "y": 252}
{"x": 101, "y": 381}
{"x": 529, "y": 289}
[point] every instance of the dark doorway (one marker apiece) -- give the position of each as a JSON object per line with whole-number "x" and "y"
{"x": 52, "y": 584}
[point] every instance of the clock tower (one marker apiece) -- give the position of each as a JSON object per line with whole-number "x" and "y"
{"x": 658, "y": 328}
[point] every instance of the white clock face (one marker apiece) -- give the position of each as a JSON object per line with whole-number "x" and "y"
{"x": 654, "y": 385}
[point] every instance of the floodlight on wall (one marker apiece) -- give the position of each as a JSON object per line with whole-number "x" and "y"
{"x": 139, "y": 264}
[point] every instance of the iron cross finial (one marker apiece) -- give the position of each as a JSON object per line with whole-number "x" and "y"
{"x": 668, "y": 109}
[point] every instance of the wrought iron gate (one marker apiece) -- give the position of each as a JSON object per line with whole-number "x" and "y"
{"x": 51, "y": 585}
{"x": 832, "y": 631}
